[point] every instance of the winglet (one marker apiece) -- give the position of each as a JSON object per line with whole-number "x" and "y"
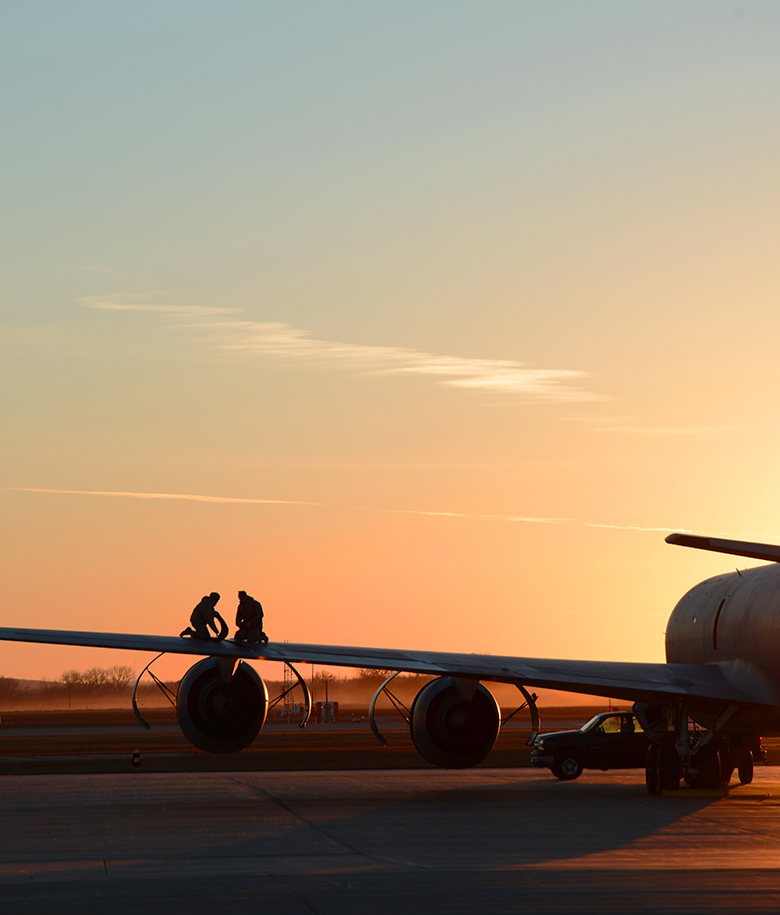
{"x": 764, "y": 551}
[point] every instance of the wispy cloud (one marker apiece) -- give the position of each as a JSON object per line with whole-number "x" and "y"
{"x": 576, "y": 522}
{"x": 282, "y": 341}
{"x": 530, "y": 519}
{"x": 130, "y": 303}
{"x": 277, "y": 340}
{"x": 517, "y": 519}
{"x": 670, "y": 432}
{"x": 188, "y": 497}
{"x": 624, "y": 425}
{"x": 769, "y": 536}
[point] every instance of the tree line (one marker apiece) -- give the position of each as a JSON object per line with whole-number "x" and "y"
{"x": 111, "y": 686}
{"x": 97, "y": 681}
{"x": 95, "y": 684}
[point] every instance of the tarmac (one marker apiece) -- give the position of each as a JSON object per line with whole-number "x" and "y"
{"x": 383, "y": 841}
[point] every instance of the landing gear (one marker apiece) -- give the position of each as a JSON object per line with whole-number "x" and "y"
{"x": 704, "y": 759}
{"x": 651, "y": 769}
{"x": 745, "y": 765}
{"x": 708, "y": 769}
{"x": 668, "y": 767}
{"x": 713, "y": 765}
{"x": 708, "y": 773}
{"x": 662, "y": 770}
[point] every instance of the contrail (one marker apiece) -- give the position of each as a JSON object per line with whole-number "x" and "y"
{"x": 189, "y": 497}
{"x": 517, "y": 519}
{"x": 529, "y": 520}
{"x": 524, "y": 519}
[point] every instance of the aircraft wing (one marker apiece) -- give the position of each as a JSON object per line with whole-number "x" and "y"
{"x": 730, "y": 682}
{"x": 767, "y": 552}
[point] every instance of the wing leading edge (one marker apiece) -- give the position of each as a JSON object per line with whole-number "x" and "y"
{"x": 722, "y": 682}
{"x": 767, "y": 552}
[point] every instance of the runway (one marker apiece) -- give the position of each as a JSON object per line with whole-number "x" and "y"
{"x": 419, "y": 841}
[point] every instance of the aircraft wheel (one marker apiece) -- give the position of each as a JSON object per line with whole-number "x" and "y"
{"x": 667, "y": 771}
{"x": 745, "y": 766}
{"x": 708, "y": 776}
{"x": 567, "y": 767}
{"x": 651, "y": 769}
{"x": 726, "y": 763}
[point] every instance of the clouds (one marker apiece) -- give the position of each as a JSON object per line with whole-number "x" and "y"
{"x": 623, "y": 426}
{"x": 670, "y": 432}
{"x": 278, "y": 340}
{"x": 282, "y": 341}
{"x": 128, "y": 303}
{"x": 187, "y": 497}
{"x": 530, "y": 519}
{"x": 230, "y": 500}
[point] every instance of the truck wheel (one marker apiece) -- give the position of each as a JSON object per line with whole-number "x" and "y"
{"x": 567, "y": 767}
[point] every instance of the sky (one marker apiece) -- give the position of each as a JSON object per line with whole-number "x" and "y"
{"x": 423, "y": 323}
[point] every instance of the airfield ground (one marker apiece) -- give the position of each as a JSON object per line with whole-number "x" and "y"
{"x": 382, "y": 842}
{"x": 105, "y": 740}
{"x": 84, "y": 832}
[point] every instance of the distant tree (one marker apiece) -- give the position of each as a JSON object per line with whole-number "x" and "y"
{"x": 370, "y": 677}
{"x": 120, "y": 676}
{"x": 72, "y": 680}
{"x": 95, "y": 680}
{"x": 10, "y": 689}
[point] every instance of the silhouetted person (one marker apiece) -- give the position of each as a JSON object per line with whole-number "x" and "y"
{"x": 249, "y": 619}
{"x": 205, "y": 617}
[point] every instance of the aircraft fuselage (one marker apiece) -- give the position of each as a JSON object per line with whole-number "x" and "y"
{"x": 734, "y": 620}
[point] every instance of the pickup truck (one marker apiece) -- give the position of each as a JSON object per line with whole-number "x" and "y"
{"x": 611, "y": 740}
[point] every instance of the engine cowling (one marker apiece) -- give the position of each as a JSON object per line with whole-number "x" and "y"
{"x": 452, "y": 731}
{"x": 221, "y": 716}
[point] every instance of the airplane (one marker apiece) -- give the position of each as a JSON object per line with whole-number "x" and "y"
{"x": 722, "y": 674}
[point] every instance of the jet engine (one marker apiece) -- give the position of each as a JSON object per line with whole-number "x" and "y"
{"x": 454, "y": 722}
{"x": 219, "y": 712}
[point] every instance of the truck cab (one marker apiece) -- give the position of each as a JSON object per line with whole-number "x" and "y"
{"x": 610, "y": 740}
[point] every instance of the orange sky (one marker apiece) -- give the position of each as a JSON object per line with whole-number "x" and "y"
{"x": 451, "y": 324}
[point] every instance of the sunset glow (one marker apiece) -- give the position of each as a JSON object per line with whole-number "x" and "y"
{"x": 421, "y": 323}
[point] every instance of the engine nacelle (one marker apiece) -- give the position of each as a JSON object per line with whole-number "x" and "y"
{"x": 451, "y": 728}
{"x": 221, "y": 716}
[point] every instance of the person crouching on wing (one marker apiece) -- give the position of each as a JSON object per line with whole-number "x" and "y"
{"x": 205, "y": 617}
{"x": 249, "y": 620}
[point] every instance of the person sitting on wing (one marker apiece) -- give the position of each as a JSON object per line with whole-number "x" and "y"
{"x": 249, "y": 620}
{"x": 205, "y": 617}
